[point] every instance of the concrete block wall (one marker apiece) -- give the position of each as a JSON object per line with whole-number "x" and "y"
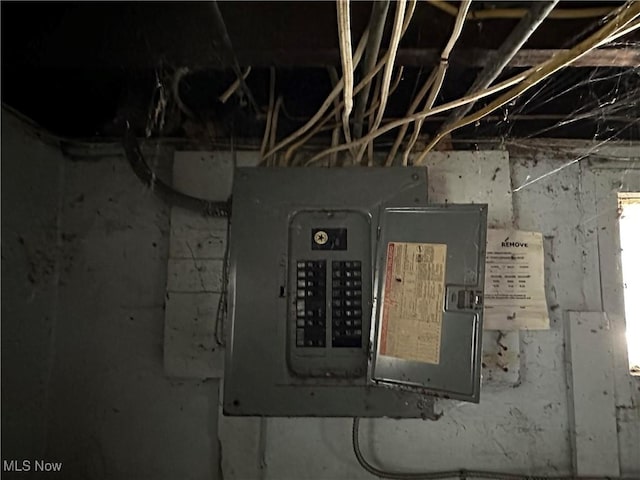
{"x": 93, "y": 376}
{"x": 84, "y": 275}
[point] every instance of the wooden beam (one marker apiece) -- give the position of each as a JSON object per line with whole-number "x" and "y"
{"x": 603, "y": 57}
{"x": 302, "y": 34}
{"x": 413, "y": 57}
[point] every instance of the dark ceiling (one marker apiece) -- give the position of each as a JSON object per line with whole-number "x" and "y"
{"x": 82, "y": 69}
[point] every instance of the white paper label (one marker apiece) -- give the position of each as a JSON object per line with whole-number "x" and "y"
{"x": 412, "y": 303}
{"x": 514, "y": 281}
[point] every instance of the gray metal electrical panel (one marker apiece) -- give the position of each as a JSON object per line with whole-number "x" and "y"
{"x": 350, "y": 295}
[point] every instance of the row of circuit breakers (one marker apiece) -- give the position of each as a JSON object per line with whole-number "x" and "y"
{"x": 350, "y": 295}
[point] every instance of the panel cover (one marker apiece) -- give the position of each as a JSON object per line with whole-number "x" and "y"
{"x": 428, "y": 300}
{"x": 279, "y": 215}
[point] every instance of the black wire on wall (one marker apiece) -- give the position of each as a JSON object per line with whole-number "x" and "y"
{"x": 166, "y": 192}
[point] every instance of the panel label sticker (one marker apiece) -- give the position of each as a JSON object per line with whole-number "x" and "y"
{"x": 413, "y": 301}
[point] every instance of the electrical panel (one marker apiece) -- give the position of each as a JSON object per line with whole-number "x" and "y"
{"x": 350, "y": 295}
{"x": 328, "y": 258}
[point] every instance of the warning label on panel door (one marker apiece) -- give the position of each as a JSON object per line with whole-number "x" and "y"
{"x": 413, "y": 301}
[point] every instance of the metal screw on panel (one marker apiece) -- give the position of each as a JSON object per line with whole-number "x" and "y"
{"x": 415, "y": 176}
{"x": 321, "y": 237}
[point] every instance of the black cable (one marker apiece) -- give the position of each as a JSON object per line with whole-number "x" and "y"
{"x": 174, "y": 197}
{"x": 460, "y": 474}
{"x": 166, "y": 192}
{"x": 221, "y": 312}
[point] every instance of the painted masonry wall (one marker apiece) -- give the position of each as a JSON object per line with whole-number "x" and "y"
{"x": 83, "y": 382}
{"x": 534, "y": 427}
{"x": 82, "y": 374}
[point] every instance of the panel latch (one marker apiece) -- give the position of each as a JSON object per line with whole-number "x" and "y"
{"x": 460, "y": 298}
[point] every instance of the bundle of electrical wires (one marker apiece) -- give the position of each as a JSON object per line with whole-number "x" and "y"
{"x": 377, "y": 75}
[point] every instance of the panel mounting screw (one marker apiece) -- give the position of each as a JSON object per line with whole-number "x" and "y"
{"x": 415, "y": 176}
{"x": 321, "y": 237}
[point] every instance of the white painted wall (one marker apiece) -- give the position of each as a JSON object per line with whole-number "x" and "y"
{"x": 31, "y": 189}
{"x": 82, "y": 350}
{"x": 82, "y": 342}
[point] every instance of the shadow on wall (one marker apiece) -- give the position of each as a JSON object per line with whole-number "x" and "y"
{"x": 84, "y": 258}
